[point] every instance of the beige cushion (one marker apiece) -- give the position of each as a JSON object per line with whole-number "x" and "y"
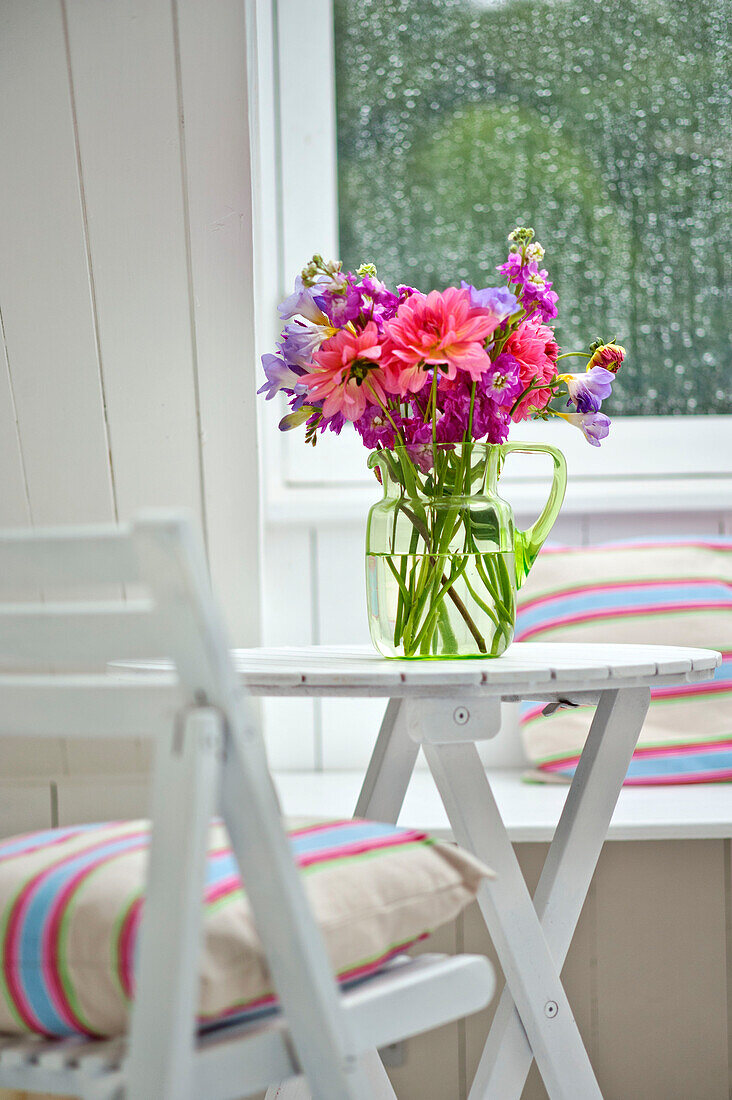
{"x": 663, "y": 592}
{"x": 70, "y": 901}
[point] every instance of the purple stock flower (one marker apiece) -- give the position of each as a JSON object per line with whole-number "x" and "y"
{"x": 418, "y": 437}
{"x": 280, "y": 377}
{"x": 379, "y": 304}
{"x": 302, "y": 301}
{"x": 593, "y": 425}
{"x": 375, "y": 428}
{"x": 589, "y": 390}
{"x": 502, "y": 381}
{"x": 490, "y": 421}
{"x": 537, "y": 296}
{"x": 367, "y": 298}
{"x": 499, "y": 300}
{"x": 405, "y": 292}
{"x": 342, "y": 304}
{"x": 538, "y": 292}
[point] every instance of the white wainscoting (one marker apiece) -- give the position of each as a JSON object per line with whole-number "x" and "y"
{"x": 314, "y": 593}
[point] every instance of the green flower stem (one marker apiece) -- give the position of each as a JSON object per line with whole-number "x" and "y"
{"x": 430, "y": 621}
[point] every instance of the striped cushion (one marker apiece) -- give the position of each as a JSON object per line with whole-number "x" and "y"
{"x": 666, "y": 592}
{"x": 70, "y": 904}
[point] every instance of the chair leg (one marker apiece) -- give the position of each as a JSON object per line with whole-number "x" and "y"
{"x": 163, "y": 1025}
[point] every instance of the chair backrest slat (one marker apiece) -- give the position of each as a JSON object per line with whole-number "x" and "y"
{"x": 77, "y": 635}
{"x": 88, "y": 706}
{"x": 30, "y": 561}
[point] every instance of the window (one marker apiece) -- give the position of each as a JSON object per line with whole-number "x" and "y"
{"x": 603, "y": 123}
{"x": 415, "y": 133}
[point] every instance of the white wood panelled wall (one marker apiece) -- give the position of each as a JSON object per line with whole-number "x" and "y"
{"x": 127, "y": 377}
{"x": 314, "y": 592}
{"x": 127, "y": 367}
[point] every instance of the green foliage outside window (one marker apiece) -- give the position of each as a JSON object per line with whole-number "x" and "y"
{"x": 605, "y": 124}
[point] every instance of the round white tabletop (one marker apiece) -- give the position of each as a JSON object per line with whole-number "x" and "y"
{"x": 537, "y": 669}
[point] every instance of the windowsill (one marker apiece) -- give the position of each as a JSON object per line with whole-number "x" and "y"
{"x": 530, "y": 811}
{"x": 307, "y": 504}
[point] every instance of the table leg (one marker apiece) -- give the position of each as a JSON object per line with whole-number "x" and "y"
{"x": 567, "y": 874}
{"x": 513, "y": 925}
{"x": 390, "y": 768}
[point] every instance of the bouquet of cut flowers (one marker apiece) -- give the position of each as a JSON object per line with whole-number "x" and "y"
{"x": 432, "y": 383}
{"x": 414, "y": 370}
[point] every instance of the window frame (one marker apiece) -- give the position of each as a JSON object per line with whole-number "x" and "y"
{"x": 678, "y": 463}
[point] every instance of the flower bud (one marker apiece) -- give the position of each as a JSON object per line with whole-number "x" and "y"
{"x": 609, "y": 356}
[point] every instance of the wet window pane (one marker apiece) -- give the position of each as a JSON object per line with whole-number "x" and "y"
{"x": 605, "y": 124}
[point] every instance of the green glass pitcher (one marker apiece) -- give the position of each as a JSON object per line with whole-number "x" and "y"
{"x": 443, "y": 556}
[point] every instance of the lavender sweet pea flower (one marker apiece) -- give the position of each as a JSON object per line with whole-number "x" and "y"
{"x": 501, "y": 301}
{"x": 300, "y": 341}
{"x": 302, "y": 301}
{"x": 593, "y": 425}
{"x": 279, "y": 377}
{"x": 589, "y": 390}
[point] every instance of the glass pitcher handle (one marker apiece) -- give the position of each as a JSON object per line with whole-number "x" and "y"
{"x": 528, "y": 543}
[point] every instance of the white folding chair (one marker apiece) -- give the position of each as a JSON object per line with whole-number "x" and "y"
{"x": 209, "y": 758}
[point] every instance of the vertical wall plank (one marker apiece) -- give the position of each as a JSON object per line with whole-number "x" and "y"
{"x": 661, "y": 970}
{"x": 218, "y": 179}
{"x": 24, "y": 806}
{"x": 122, "y": 59}
{"x": 44, "y": 279}
{"x": 288, "y": 620}
{"x": 577, "y": 975}
{"x": 14, "y": 504}
{"x": 349, "y": 731}
{"x": 431, "y": 1069}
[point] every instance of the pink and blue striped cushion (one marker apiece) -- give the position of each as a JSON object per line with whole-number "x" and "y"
{"x": 71, "y": 902}
{"x": 665, "y": 591}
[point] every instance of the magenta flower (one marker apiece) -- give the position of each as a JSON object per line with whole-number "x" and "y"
{"x": 440, "y": 329}
{"x": 593, "y": 425}
{"x": 375, "y": 427}
{"x": 588, "y": 391}
{"x": 535, "y": 348}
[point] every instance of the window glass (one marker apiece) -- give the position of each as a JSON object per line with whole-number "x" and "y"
{"x": 605, "y": 124}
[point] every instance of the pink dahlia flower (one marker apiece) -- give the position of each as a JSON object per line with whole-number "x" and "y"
{"x": 534, "y": 347}
{"x": 346, "y": 377}
{"x": 440, "y": 328}
{"x": 609, "y": 356}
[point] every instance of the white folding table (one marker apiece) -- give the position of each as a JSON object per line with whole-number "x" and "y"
{"x": 448, "y": 706}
